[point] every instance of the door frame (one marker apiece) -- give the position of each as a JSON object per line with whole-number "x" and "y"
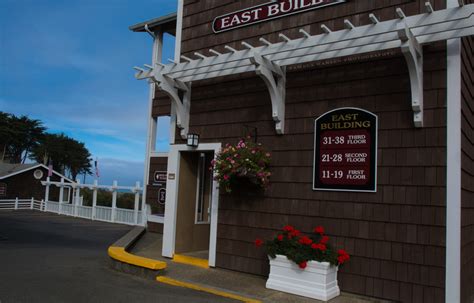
{"x": 172, "y": 186}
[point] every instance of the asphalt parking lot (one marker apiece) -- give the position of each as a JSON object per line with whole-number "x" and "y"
{"x": 49, "y": 258}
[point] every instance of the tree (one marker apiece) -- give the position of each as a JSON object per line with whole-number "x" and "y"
{"x": 18, "y": 136}
{"x": 68, "y": 156}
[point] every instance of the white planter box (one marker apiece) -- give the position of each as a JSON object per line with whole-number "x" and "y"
{"x": 318, "y": 280}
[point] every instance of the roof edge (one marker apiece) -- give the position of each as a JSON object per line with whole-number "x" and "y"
{"x": 156, "y": 22}
{"x": 34, "y": 167}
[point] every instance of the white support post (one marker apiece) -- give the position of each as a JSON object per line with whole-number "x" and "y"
{"x": 180, "y": 95}
{"x": 61, "y": 196}
{"x": 157, "y": 55}
{"x": 77, "y": 198}
{"x": 94, "y": 199}
{"x": 453, "y": 170}
{"x": 136, "y": 205}
{"x": 144, "y": 209}
{"x": 32, "y": 202}
{"x": 16, "y": 203}
{"x": 274, "y": 77}
{"x": 413, "y": 53}
{"x": 46, "y": 194}
{"x": 114, "y": 201}
{"x": 42, "y": 205}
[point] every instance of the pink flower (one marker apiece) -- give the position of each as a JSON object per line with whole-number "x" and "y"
{"x": 226, "y": 177}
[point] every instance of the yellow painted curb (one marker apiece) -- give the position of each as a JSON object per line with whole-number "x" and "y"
{"x": 216, "y": 292}
{"x": 120, "y": 254}
{"x": 191, "y": 261}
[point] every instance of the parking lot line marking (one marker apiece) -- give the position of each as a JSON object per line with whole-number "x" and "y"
{"x": 216, "y": 292}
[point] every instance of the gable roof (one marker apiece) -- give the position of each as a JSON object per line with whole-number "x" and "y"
{"x": 8, "y": 170}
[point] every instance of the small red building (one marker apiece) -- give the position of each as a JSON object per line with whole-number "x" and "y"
{"x": 23, "y": 181}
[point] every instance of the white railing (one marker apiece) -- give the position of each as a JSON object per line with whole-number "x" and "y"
{"x": 112, "y": 214}
{"x": 15, "y": 204}
{"x": 103, "y": 213}
{"x": 84, "y": 212}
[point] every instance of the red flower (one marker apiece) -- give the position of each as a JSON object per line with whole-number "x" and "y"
{"x": 343, "y": 256}
{"x": 341, "y": 252}
{"x": 303, "y": 264}
{"x": 288, "y": 228}
{"x": 280, "y": 237}
{"x": 258, "y": 242}
{"x": 319, "y": 230}
{"x": 305, "y": 240}
{"x": 324, "y": 239}
{"x": 341, "y": 259}
{"x": 294, "y": 233}
{"x": 319, "y": 246}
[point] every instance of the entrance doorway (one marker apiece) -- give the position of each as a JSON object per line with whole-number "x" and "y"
{"x": 194, "y": 204}
{"x": 190, "y": 224}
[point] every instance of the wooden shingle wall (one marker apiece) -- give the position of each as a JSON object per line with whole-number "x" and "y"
{"x": 396, "y": 237}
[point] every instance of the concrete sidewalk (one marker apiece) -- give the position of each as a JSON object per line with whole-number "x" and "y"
{"x": 241, "y": 284}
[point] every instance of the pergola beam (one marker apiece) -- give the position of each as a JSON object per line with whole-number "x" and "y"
{"x": 407, "y": 33}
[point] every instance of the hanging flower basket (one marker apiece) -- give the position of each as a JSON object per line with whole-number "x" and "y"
{"x": 304, "y": 265}
{"x": 244, "y": 165}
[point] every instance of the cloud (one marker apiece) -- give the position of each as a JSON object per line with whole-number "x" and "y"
{"x": 126, "y": 173}
{"x": 72, "y": 69}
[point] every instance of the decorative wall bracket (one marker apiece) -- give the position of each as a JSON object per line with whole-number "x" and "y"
{"x": 180, "y": 95}
{"x": 413, "y": 53}
{"x": 274, "y": 77}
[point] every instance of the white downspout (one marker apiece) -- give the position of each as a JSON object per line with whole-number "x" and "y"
{"x": 151, "y": 132}
{"x": 453, "y": 170}
{"x": 177, "y": 59}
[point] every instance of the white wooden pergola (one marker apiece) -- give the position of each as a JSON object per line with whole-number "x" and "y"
{"x": 408, "y": 33}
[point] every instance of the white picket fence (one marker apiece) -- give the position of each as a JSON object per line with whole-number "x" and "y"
{"x": 14, "y": 204}
{"x": 111, "y": 214}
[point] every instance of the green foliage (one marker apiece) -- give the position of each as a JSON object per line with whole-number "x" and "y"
{"x": 244, "y": 160}
{"x": 104, "y": 198}
{"x": 67, "y": 155}
{"x": 18, "y": 136}
{"x": 22, "y": 138}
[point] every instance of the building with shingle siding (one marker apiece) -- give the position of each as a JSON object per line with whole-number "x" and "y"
{"x": 23, "y": 181}
{"x": 412, "y": 238}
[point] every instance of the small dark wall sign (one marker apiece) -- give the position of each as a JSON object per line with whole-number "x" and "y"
{"x": 345, "y": 151}
{"x": 3, "y": 189}
{"x": 162, "y": 195}
{"x": 159, "y": 177}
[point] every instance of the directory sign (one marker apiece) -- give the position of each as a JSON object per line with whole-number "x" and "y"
{"x": 345, "y": 151}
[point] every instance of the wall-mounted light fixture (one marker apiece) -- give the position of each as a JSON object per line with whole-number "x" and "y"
{"x": 193, "y": 140}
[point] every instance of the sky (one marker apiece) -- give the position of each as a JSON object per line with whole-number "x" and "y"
{"x": 69, "y": 64}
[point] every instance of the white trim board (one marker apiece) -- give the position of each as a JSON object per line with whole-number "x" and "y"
{"x": 172, "y": 186}
{"x": 453, "y": 173}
